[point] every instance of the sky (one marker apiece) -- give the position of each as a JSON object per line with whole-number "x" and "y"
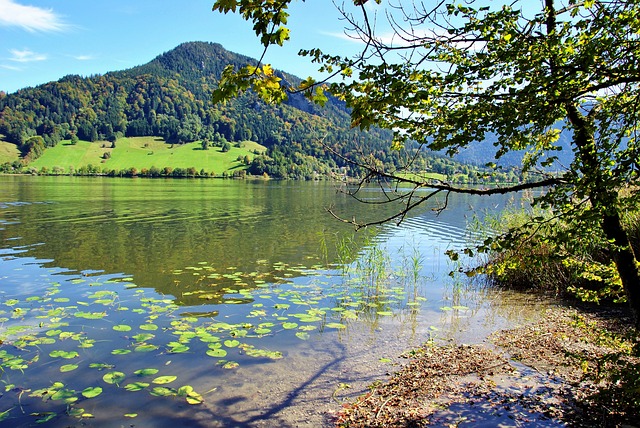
{"x": 44, "y": 40}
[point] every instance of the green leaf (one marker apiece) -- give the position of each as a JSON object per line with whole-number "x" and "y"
{"x": 136, "y": 386}
{"x": 146, "y": 372}
{"x": 64, "y": 354}
{"x": 335, "y": 325}
{"x": 145, "y": 348}
{"x": 229, "y": 365}
{"x": 91, "y": 392}
{"x": 179, "y": 349}
{"x": 161, "y": 380}
{"x": 302, "y": 335}
{"x": 44, "y": 417}
{"x": 90, "y": 315}
{"x": 65, "y": 395}
{"x": 114, "y": 378}
{"x": 143, "y": 337}
{"x": 148, "y": 327}
{"x": 216, "y": 353}
{"x": 162, "y": 391}
{"x": 75, "y": 412}
{"x": 68, "y": 368}
{"x": 5, "y": 415}
{"x": 191, "y": 396}
{"x": 101, "y": 366}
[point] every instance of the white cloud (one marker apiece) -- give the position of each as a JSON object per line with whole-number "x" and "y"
{"x": 342, "y": 36}
{"x": 83, "y": 57}
{"x": 10, "y": 67}
{"x": 30, "y": 18}
{"x": 26, "y": 55}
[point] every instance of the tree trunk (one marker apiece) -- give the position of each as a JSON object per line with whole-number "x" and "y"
{"x": 625, "y": 260}
{"x": 604, "y": 199}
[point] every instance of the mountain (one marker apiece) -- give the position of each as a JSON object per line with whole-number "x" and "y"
{"x": 169, "y": 97}
{"x": 476, "y": 153}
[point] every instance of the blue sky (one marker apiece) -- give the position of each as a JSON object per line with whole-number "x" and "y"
{"x": 44, "y": 40}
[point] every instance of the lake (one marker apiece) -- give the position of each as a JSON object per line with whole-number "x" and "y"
{"x": 205, "y": 303}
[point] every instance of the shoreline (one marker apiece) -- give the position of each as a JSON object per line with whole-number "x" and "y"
{"x": 563, "y": 370}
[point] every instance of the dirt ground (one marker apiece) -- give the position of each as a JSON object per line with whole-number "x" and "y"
{"x": 572, "y": 368}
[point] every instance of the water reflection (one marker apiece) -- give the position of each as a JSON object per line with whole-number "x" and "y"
{"x": 224, "y": 285}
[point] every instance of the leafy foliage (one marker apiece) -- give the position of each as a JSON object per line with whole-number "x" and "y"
{"x": 455, "y": 73}
{"x": 581, "y": 267}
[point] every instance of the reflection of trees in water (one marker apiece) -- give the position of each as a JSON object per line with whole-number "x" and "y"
{"x": 148, "y": 228}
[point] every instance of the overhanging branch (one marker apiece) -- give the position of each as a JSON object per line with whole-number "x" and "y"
{"x": 410, "y": 198}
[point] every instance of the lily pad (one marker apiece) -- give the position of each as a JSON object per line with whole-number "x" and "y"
{"x": 147, "y": 347}
{"x": 136, "y": 386}
{"x": 230, "y": 365}
{"x": 64, "y": 354}
{"x": 122, "y": 327}
{"x": 335, "y": 325}
{"x": 302, "y": 335}
{"x": 217, "y": 353}
{"x": 161, "y": 380}
{"x": 68, "y": 368}
{"x": 113, "y": 378}
{"x": 146, "y": 372}
{"x": 162, "y": 391}
{"x": 91, "y": 392}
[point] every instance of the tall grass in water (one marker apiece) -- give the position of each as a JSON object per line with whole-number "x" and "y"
{"x": 578, "y": 265}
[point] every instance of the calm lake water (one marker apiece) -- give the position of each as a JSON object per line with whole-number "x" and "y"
{"x": 133, "y": 302}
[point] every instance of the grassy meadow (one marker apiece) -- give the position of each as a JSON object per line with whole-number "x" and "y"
{"x": 142, "y": 153}
{"x": 8, "y": 152}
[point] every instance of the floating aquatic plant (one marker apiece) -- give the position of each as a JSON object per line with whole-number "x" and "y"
{"x": 57, "y": 327}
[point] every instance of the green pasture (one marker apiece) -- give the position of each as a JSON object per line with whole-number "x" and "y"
{"x": 144, "y": 152}
{"x": 8, "y": 152}
{"x": 423, "y": 176}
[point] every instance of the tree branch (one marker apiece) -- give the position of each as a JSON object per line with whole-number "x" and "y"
{"x": 408, "y": 198}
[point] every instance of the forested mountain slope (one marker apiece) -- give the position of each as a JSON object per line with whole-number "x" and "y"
{"x": 170, "y": 97}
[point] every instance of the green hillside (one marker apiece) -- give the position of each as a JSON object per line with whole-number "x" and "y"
{"x": 143, "y": 153}
{"x": 8, "y": 152}
{"x": 170, "y": 97}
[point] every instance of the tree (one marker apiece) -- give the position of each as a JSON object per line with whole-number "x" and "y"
{"x": 33, "y": 148}
{"x": 455, "y": 72}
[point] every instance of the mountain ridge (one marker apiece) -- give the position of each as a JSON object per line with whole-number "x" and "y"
{"x": 170, "y": 97}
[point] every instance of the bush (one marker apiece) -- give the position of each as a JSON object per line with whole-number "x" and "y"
{"x": 579, "y": 266}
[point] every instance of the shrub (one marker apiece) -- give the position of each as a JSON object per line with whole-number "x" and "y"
{"x": 579, "y": 266}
